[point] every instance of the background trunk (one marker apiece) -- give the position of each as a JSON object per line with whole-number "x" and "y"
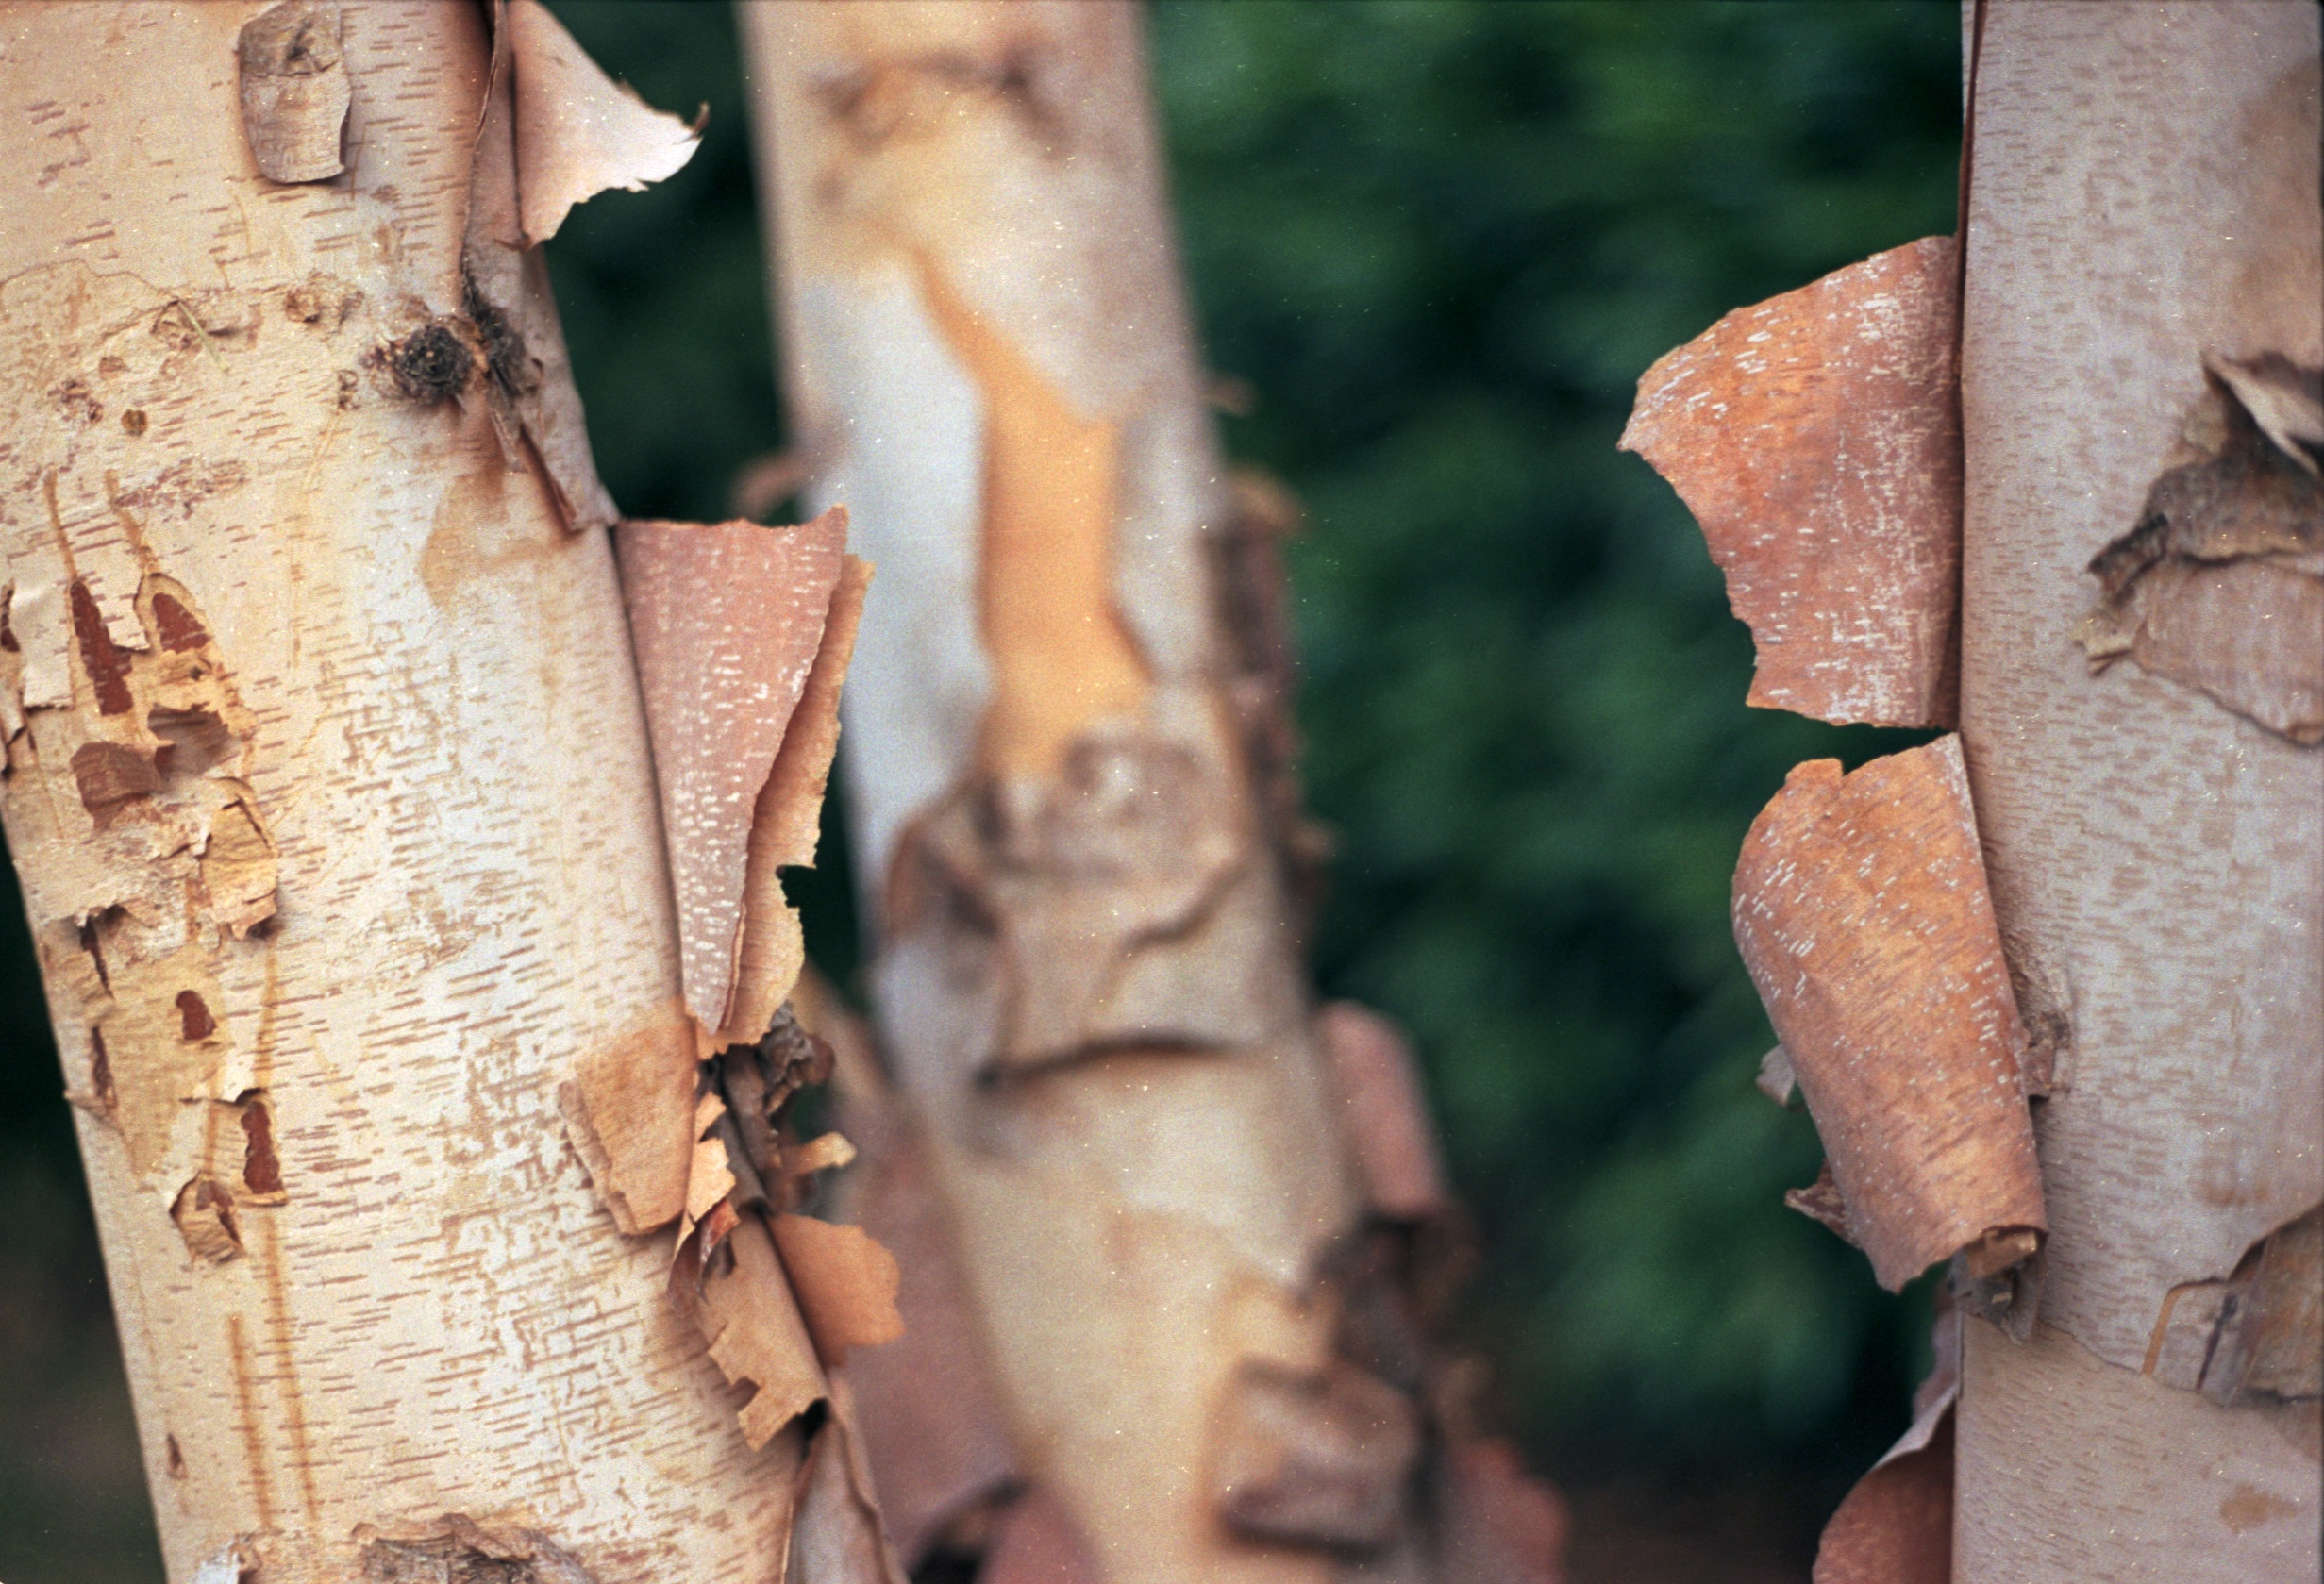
{"x": 330, "y": 790}
{"x": 2143, "y": 193}
{"x": 1073, "y": 819}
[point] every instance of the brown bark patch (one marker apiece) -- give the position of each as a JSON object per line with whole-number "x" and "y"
{"x": 431, "y": 364}
{"x": 1062, "y": 657}
{"x": 1816, "y": 438}
{"x": 105, "y": 666}
{"x": 1862, "y": 910}
{"x": 261, "y": 1166}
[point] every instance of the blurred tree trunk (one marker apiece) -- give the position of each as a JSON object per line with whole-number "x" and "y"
{"x": 1186, "y": 1233}
{"x": 328, "y": 784}
{"x": 2140, "y": 344}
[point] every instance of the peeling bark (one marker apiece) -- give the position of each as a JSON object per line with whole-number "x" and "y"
{"x": 1817, "y": 439}
{"x": 327, "y": 779}
{"x": 1186, "y": 1271}
{"x": 2144, "y": 201}
{"x": 1862, "y": 914}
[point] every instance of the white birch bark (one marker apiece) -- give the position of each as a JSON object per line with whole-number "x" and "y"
{"x": 339, "y": 661}
{"x": 1087, "y": 980}
{"x": 2143, "y": 193}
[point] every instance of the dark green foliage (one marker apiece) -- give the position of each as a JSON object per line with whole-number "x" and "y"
{"x": 1443, "y": 241}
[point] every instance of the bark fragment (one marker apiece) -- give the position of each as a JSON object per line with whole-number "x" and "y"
{"x": 837, "y": 1537}
{"x": 1817, "y": 439}
{"x": 1862, "y": 910}
{"x": 756, "y": 1334}
{"x": 1896, "y": 1526}
{"x": 2258, "y": 1335}
{"x": 2220, "y": 584}
{"x": 579, "y": 133}
{"x": 626, "y": 1110}
{"x": 294, "y": 90}
{"x": 846, "y": 1283}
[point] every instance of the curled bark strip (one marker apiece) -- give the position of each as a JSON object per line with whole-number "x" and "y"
{"x": 756, "y": 1334}
{"x": 534, "y": 153}
{"x": 1896, "y": 1526}
{"x": 2220, "y": 584}
{"x": 787, "y": 819}
{"x": 1386, "y": 1114}
{"x": 1860, "y": 908}
{"x": 728, "y": 622}
{"x": 579, "y": 133}
{"x": 837, "y": 1537}
{"x": 1816, "y": 438}
{"x": 294, "y": 90}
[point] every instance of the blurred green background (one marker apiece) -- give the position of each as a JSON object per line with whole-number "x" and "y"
{"x": 1440, "y": 241}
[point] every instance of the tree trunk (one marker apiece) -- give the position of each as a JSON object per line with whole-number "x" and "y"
{"x": 1073, "y": 817}
{"x": 2143, "y": 201}
{"x": 329, "y": 783}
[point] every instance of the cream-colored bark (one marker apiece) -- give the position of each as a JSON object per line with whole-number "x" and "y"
{"x": 1062, "y": 743}
{"x": 991, "y": 364}
{"x": 329, "y": 783}
{"x": 2143, "y": 195}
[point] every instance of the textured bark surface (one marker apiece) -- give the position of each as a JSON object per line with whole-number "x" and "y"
{"x": 1064, "y": 757}
{"x": 991, "y": 366}
{"x": 2143, "y": 195}
{"x": 329, "y": 783}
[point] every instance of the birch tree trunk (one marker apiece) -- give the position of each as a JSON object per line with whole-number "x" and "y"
{"x": 2143, "y": 207}
{"x": 1072, "y": 813}
{"x": 329, "y": 783}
